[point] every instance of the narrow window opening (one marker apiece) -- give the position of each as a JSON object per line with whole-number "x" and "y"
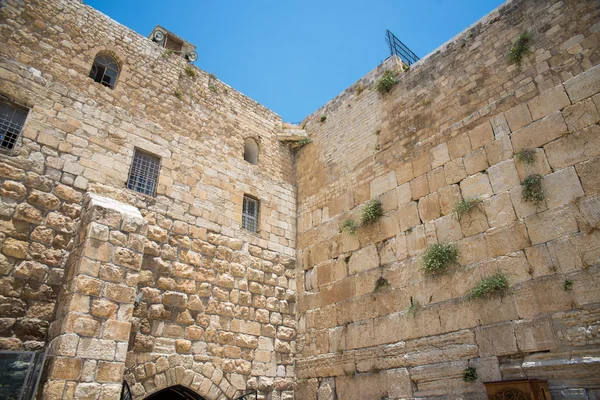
{"x": 251, "y": 151}
{"x": 250, "y": 214}
{"x": 143, "y": 175}
{"x": 12, "y": 120}
{"x": 105, "y": 70}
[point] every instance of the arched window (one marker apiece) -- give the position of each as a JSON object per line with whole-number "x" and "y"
{"x": 105, "y": 70}
{"x": 251, "y": 151}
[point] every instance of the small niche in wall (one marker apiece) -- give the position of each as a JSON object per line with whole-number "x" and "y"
{"x": 251, "y": 151}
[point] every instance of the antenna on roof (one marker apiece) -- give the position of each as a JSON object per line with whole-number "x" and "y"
{"x": 399, "y": 49}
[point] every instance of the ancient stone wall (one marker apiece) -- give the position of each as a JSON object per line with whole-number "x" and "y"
{"x": 214, "y": 305}
{"x": 372, "y": 324}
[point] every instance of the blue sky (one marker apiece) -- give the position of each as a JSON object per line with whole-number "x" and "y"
{"x": 293, "y": 56}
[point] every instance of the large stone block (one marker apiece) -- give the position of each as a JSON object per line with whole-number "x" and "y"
{"x": 551, "y": 224}
{"x": 548, "y": 102}
{"x": 581, "y": 115}
{"x": 562, "y": 187}
{"x": 574, "y": 148}
{"x": 539, "y": 133}
{"x": 504, "y": 240}
{"x": 476, "y": 186}
{"x": 518, "y": 117}
{"x": 408, "y": 216}
{"x": 499, "y": 210}
{"x": 481, "y": 135}
{"x": 583, "y": 85}
{"x": 429, "y": 208}
{"x": 363, "y": 260}
{"x": 503, "y": 176}
{"x": 535, "y": 335}
{"x": 589, "y": 174}
{"x": 496, "y": 340}
{"x": 475, "y": 161}
{"x": 454, "y": 171}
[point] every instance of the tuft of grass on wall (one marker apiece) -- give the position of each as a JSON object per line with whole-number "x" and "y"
{"x": 438, "y": 257}
{"x": 371, "y": 212}
{"x": 526, "y": 156}
{"x": 304, "y": 141}
{"x": 470, "y": 374}
{"x": 465, "y": 206}
{"x": 531, "y": 189}
{"x": 178, "y": 93}
{"x": 381, "y": 284}
{"x": 350, "y": 226}
{"x": 386, "y": 82}
{"x": 495, "y": 284}
{"x": 323, "y": 118}
{"x": 567, "y": 285}
{"x": 190, "y": 71}
{"x": 520, "y": 48}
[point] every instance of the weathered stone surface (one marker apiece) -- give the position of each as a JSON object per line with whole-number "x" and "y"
{"x": 583, "y": 85}
{"x": 548, "y": 102}
{"x": 539, "y": 133}
{"x": 551, "y": 224}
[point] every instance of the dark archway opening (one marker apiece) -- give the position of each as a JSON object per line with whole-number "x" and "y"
{"x": 175, "y": 393}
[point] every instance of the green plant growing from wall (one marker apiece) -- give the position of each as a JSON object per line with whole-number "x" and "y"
{"x": 167, "y": 53}
{"x": 323, "y": 118}
{"x": 568, "y": 285}
{"x": 212, "y": 87}
{"x": 520, "y": 48}
{"x": 381, "y": 284}
{"x": 465, "y": 206}
{"x": 304, "y": 141}
{"x": 405, "y": 67}
{"x": 412, "y": 309}
{"x": 359, "y": 89}
{"x": 371, "y": 212}
{"x": 190, "y": 71}
{"x": 526, "y": 156}
{"x": 350, "y": 226}
{"x": 178, "y": 93}
{"x": 531, "y": 189}
{"x": 495, "y": 284}
{"x": 470, "y": 374}
{"x": 386, "y": 82}
{"x": 438, "y": 257}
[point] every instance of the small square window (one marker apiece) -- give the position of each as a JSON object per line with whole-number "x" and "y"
{"x": 143, "y": 175}
{"x": 250, "y": 214}
{"x": 12, "y": 119}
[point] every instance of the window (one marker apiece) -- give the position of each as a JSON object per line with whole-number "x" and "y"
{"x": 12, "y": 119}
{"x": 251, "y": 151}
{"x": 143, "y": 175}
{"x": 105, "y": 70}
{"x": 250, "y": 214}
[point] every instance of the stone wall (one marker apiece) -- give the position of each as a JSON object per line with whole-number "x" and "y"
{"x": 372, "y": 324}
{"x": 213, "y": 305}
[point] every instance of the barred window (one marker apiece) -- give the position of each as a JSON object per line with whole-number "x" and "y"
{"x": 12, "y": 119}
{"x": 250, "y": 214}
{"x": 143, "y": 175}
{"x": 105, "y": 70}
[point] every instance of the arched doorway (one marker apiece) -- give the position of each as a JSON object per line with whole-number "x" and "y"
{"x": 175, "y": 393}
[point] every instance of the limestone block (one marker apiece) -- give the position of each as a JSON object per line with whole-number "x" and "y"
{"x": 581, "y": 115}
{"x": 476, "y": 186}
{"x": 499, "y": 150}
{"x": 475, "y": 221}
{"x": 472, "y": 249}
{"x": 399, "y": 383}
{"x": 589, "y": 174}
{"x": 542, "y": 295}
{"x": 415, "y": 240}
{"x": 383, "y": 184}
{"x": 307, "y": 389}
{"x": 496, "y": 340}
{"x": 499, "y": 210}
{"x": 10, "y": 172}
{"x": 562, "y": 187}
{"x": 548, "y": 102}
{"x": 439, "y": 155}
{"x": 534, "y": 335}
{"x": 583, "y": 85}
{"x": 539, "y": 133}
{"x": 481, "y": 135}
{"x": 408, "y": 216}
{"x": 98, "y": 349}
{"x": 503, "y": 176}
{"x": 518, "y": 117}
{"x": 448, "y": 197}
{"x": 436, "y": 179}
{"x": 440, "y": 379}
{"x": 43, "y": 200}
{"x": 63, "y": 368}
{"x": 429, "y": 208}
{"x": 551, "y": 224}
{"x": 419, "y": 187}
{"x": 404, "y": 173}
{"x": 28, "y": 213}
{"x": 448, "y": 229}
{"x": 525, "y": 208}
{"x": 454, "y": 171}
{"x": 488, "y": 369}
{"x": 13, "y": 190}
{"x": 458, "y": 146}
{"x": 500, "y": 126}
{"x": 363, "y": 260}
{"x": 421, "y": 163}
{"x": 576, "y": 147}
{"x": 504, "y": 240}
{"x": 475, "y": 161}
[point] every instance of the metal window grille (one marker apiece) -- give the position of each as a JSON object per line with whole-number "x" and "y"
{"x": 12, "y": 119}
{"x": 20, "y": 373}
{"x": 250, "y": 214}
{"x": 105, "y": 70}
{"x": 143, "y": 175}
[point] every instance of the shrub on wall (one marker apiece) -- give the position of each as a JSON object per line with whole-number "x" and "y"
{"x": 520, "y": 48}
{"x": 531, "y": 189}
{"x": 495, "y": 284}
{"x": 439, "y": 257}
{"x": 465, "y": 206}
{"x": 371, "y": 212}
{"x": 386, "y": 82}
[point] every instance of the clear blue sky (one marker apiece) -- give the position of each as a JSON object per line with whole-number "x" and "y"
{"x": 295, "y": 55}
